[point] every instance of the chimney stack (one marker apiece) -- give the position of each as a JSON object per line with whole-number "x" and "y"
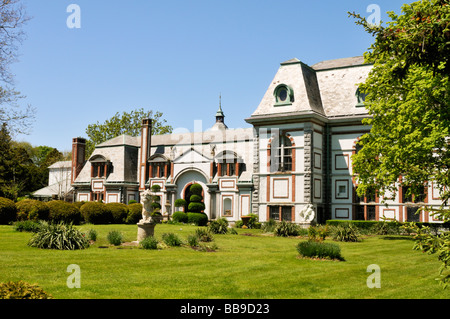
{"x": 78, "y": 156}
{"x": 146, "y": 144}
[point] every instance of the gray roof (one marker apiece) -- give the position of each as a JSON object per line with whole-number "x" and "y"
{"x": 339, "y": 63}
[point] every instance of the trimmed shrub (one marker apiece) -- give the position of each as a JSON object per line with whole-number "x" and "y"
{"x": 198, "y": 219}
{"x": 119, "y": 212}
{"x": 286, "y": 229}
{"x": 180, "y": 217}
{"x": 196, "y": 207}
{"x": 115, "y": 237}
{"x": 96, "y": 213}
{"x": 219, "y": 226}
{"x": 32, "y": 209}
{"x": 196, "y": 189}
{"x": 22, "y": 290}
{"x": 149, "y": 243}
{"x": 180, "y": 202}
{"x": 58, "y": 236}
{"x": 8, "y": 211}
{"x": 171, "y": 239}
{"x": 61, "y": 211}
{"x": 156, "y": 188}
{"x": 195, "y": 198}
{"x": 78, "y": 204}
{"x": 132, "y": 202}
{"x": 27, "y": 226}
{"x": 134, "y": 213}
{"x": 204, "y": 235}
{"x": 314, "y": 249}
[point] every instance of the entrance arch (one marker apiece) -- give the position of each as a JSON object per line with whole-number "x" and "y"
{"x": 190, "y": 176}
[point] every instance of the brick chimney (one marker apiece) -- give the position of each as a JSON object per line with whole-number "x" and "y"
{"x": 78, "y": 156}
{"x": 146, "y": 144}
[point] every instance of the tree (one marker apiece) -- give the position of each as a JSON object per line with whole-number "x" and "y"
{"x": 125, "y": 123}
{"x": 408, "y": 99}
{"x": 12, "y": 19}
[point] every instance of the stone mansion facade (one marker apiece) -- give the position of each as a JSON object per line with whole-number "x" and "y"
{"x": 297, "y": 153}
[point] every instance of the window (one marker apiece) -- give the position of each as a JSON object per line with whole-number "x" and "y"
{"x": 280, "y": 213}
{"x": 228, "y": 164}
{"x": 412, "y": 214}
{"x": 227, "y": 207}
{"x": 159, "y": 166}
{"x": 284, "y": 95}
{"x": 284, "y": 154}
{"x": 360, "y": 98}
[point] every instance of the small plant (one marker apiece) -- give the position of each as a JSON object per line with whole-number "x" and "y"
{"x": 286, "y": 229}
{"x": 92, "y": 234}
{"x": 171, "y": 239}
{"x": 27, "y": 226}
{"x": 233, "y": 231}
{"x": 219, "y": 226}
{"x": 22, "y": 290}
{"x": 149, "y": 243}
{"x": 317, "y": 233}
{"x": 269, "y": 226}
{"x": 204, "y": 235}
{"x": 58, "y": 236}
{"x": 192, "y": 240}
{"x": 115, "y": 238}
{"x": 314, "y": 249}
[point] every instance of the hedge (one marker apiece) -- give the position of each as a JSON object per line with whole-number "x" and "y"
{"x": 119, "y": 212}
{"x": 31, "y": 209}
{"x": 8, "y": 211}
{"x": 96, "y": 213}
{"x": 61, "y": 211}
{"x": 134, "y": 213}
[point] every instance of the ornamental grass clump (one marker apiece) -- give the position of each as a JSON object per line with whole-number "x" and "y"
{"x": 59, "y": 236}
{"x": 321, "y": 250}
{"x": 346, "y": 232}
{"x": 219, "y": 226}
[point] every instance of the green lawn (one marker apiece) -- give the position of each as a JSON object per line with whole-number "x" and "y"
{"x": 251, "y": 267}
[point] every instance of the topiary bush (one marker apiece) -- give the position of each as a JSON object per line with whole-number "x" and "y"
{"x": 196, "y": 189}
{"x": 58, "y": 236}
{"x": 180, "y": 202}
{"x": 96, "y": 213}
{"x": 195, "y": 207}
{"x": 8, "y": 211}
{"x": 32, "y": 209}
{"x": 198, "y": 219}
{"x": 22, "y": 290}
{"x": 61, "y": 211}
{"x": 134, "y": 213}
{"x": 314, "y": 249}
{"x": 119, "y": 212}
{"x": 180, "y": 217}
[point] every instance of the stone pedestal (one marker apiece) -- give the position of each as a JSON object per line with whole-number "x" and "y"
{"x": 145, "y": 229}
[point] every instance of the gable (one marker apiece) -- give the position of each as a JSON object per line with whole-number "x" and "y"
{"x": 192, "y": 156}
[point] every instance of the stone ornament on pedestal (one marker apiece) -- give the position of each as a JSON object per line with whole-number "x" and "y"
{"x": 307, "y": 215}
{"x": 146, "y": 226}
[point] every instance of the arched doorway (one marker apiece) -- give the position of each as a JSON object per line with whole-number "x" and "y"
{"x": 185, "y": 179}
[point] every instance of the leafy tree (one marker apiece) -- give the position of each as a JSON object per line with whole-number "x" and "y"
{"x": 125, "y": 123}
{"x": 408, "y": 99}
{"x": 12, "y": 19}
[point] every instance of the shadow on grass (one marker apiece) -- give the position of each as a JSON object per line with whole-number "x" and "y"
{"x": 397, "y": 237}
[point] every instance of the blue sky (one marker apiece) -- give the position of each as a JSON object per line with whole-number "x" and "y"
{"x": 171, "y": 56}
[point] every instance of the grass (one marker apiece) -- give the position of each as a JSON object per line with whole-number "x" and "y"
{"x": 251, "y": 267}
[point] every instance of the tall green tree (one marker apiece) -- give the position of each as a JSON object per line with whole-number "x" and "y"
{"x": 408, "y": 99}
{"x": 12, "y": 20}
{"x": 129, "y": 123}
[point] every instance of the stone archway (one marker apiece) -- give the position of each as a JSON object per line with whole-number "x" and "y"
{"x": 188, "y": 177}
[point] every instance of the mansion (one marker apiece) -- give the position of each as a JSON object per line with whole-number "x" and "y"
{"x": 298, "y": 152}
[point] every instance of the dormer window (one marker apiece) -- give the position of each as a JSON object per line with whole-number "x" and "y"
{"x": 159, "y": 166}
{"x": 228, "y": 164}
{"x": 284, "y": 95}
{"x": 100, "y": 166}
{"x": 360, "y": 98}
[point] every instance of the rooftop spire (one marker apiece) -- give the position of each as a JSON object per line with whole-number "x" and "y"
{"x": 219, "y": 111}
